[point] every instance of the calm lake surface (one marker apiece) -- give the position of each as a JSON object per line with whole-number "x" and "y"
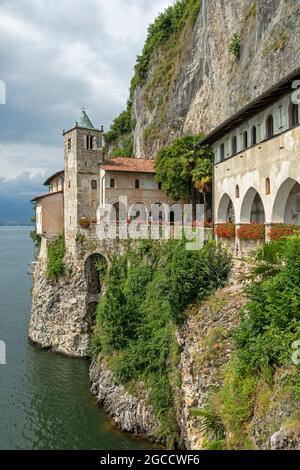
{"x": 44, "y": 398}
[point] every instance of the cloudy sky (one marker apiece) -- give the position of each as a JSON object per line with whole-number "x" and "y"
{"x": 56, "y": 57}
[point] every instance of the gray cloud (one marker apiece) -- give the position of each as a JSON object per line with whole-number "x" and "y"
{"x": 55, "y": 57}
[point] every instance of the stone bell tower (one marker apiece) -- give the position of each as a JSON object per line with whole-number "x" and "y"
{"x": 82, "y": 155}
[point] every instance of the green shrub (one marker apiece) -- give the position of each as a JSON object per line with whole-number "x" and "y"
{"x": 270, "y": 323}
{"x": 235, "y": 45}
{"x": 148, "y": 291}
{"x": 37, "y": 239}
{"x": 55, "y": 261}
{"x": 271, "y": 319}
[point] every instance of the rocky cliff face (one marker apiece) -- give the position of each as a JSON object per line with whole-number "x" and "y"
{"x": 59, "y": 317}
{"x": 208, "y": 82}
{"x": 129, "y": 413}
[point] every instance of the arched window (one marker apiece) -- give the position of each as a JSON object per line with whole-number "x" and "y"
{"x": 268, "y": 186}
{"x": 89, "y": 142}
{"x": 237, "y": 191}
{"x": 270, "y": 126}
{"x": 253, "y": 136}
{"x": 234, "y": 145}
{"x": 294, "y": 115}
{"x": 137, "y": 184}
{"x": 112, "y": 183}
{"x": 222, "y": 152}
{"x": 245, "y": 140}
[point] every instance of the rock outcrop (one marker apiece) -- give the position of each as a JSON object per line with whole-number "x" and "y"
{"x": 59, "y": 318}
{"x": 210, "y": 83}
{"x": 128, "y": 413}
{"x": 207, "y": 348}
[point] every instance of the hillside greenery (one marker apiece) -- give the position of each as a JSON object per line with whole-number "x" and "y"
{"x": 148, "y": 291}
{"x": 270, "y": 325}
{"x": 55, "y": 258}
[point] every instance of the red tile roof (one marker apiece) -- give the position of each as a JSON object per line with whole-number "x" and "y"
{"x": 133, "y": 165}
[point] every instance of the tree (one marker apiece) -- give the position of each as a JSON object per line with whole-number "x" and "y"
{"x": 185, "y": 169}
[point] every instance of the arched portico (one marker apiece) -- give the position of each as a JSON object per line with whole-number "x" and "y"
{"x": 226, "y": 212}
{"x": 286, "y": 207}
{"x": 252, "y": 210}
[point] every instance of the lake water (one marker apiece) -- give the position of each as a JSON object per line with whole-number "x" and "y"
{"x": 44, "y": 398}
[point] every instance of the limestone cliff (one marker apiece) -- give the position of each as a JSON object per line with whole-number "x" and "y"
{"x": 197, "y": 83}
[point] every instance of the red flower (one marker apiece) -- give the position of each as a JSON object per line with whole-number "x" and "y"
{"x": 251, "y": 232}
{"x": 282, "y": 230}
{"x": 225, "y": 230}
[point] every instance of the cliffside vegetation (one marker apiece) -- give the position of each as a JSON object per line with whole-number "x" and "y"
{"x": 55, "y": 260}
{"x": 261, "y": 376}
{"x": 165, "y": 47}
{"x": 148, "y": 291}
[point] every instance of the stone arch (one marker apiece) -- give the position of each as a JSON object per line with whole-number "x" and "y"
{"x": 176, "y": 214}
{"x": 286, "y": 207}
{"x": 226, "y": 212}
{"x": 138, "y": 210}
{"x": 94, "y": 267}
{"x": 252, "y": 210}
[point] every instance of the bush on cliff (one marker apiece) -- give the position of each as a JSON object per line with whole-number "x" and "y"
{"x": 148, "y": 291}
{"x": 270, "y": 324}
{"x": 55, "y": 260}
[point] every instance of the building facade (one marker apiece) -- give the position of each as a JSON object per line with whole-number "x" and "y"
{"x": 78, "y": 195}
{"x": 257, "y": 160}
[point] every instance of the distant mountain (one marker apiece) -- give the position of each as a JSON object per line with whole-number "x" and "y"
{"x": 15, "y": 210}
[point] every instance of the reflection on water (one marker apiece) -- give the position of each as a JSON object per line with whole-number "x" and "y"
{"x": 44, "y": 398}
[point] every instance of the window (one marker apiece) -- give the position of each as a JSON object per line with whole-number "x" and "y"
{"x": 94, "y": 184}
{"x": 237, "y": 191}
{"x": 245, "y": 140}
{"x": 222, "y": 152}
{"x": 69, "y": 184}
{"x": 294, "y": 114}
{"x": 280, "y": 116}
{"x": 159, "y": 185}
{"x": 69, "y": 144}
{"x": 253, "y": 136}
{"x": 137, "y": 184}
{"x": 89, "y": 142}
{"x": 112, "y": 183}
{"x": 268, "y": 186}
{"x": 270, "y": 126}
{"x": 234, "y": 145}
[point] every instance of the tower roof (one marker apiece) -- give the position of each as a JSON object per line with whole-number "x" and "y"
{"x": 84, "y": 121}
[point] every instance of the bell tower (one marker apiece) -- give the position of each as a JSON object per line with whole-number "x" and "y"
{"x": 82, "y": 155}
